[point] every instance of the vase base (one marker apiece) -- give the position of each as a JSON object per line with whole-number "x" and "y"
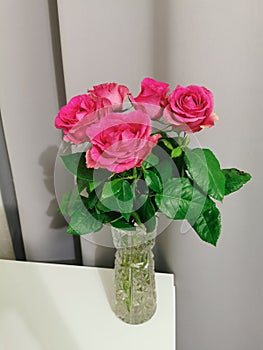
{"x": 137, "y": 317}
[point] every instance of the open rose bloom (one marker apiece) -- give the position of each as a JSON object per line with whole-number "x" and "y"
{"x": 135, "y": 160}
{"x": 120, "y": 141}
{"x": 122, "y": 138}
{"x": 190, "y": 109}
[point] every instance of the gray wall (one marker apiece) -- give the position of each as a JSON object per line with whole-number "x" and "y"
{"x": 215, "y": 43}
{"x": 220, "y": 45}
{"x": 29, "y": 103}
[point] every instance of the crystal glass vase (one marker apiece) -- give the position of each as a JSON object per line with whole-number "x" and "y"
{"x": 135, "y": 293}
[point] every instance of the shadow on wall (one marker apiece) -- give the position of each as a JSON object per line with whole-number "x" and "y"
{"x": 104, "y": 256}
{"x": 169, "y": 245}
{"x": 47, "y": 161}
{"x": 6, "y": 248}
{"x": 97, "y": 248}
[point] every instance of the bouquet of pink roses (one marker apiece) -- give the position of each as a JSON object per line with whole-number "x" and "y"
{"x": 135, "y": 160}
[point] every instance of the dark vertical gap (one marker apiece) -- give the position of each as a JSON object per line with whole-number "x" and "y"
{"x": 57, "y": 53}
{"x": 60, "y": 83}
{"x": 9, "y": 199}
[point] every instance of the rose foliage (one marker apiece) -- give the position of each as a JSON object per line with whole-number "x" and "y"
{"x": 137, "y": 161}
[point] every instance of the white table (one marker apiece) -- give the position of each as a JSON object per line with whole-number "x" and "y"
{"x": 59, "y": 307}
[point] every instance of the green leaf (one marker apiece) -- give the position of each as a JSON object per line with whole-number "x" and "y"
{"x": 99, "y": 177}
{"x": 102, "y": 208}
{"x": 125, "y": 199}
{"x": 82, "y": 184}
{"x": 110, "y": 216}
{"x": 75, "y": 163}
{"x": 180, "y": 200}
{"x": 101, "y": 174}
{"x": 146, "y": 213}
{"x": 71, "y": 162}
{"x": 176, "y": 152}
{"x": 136, "y": 218}
{"x": 150, "y": 161}
{"x": 104, "y": 217}
{"x": 165, "y": 169}
{"x": 235, "y": 179}
{"x": 111, "y": 188}
{"x": 93, "y": 185}
{"x": 208, "y": 225}
{"x": 204, "y": 169}
{"x": 71, "y": 231}
{"x": 126, "y": 174}
{"x": 83, "y": 222}
{"x": 70, "y": 202}
{"x": 63, "y": 207}
{"x": 125, "y": 193}
{"x": 122, "y": 224}
{"x": 122, "y": 201}
{"x": 113, "y": 204}
{"x": 152, "y": 180}
{"x": 106, "y": 191}
{"x": 167, "y": 144}
{"x": 92, "y": 200}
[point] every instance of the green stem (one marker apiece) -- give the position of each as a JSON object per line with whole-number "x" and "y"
{"x": 136, "y": 219}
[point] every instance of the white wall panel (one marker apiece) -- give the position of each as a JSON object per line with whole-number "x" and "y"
{"x": 105, "y": 41}
{"x": 28, "y": 107}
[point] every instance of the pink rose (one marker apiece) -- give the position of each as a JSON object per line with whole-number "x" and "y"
{"x": 79, "y": 108}
{"x": 190, "y": 108}
{"x": 152, "y": 98}
{"x": 120, "y": 141}
{"x": 115, "y": 93}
